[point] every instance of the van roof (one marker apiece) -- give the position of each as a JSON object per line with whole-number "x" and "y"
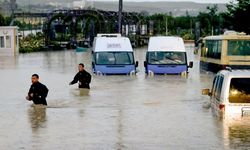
{"x": 235, "y": 73}
{"x": 166, "y": 43}
{"x": 112, "y": 44}
{"x": 108, "y": 35}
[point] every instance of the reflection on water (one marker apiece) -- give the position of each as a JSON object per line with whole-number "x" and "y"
{"x": 236, "y": 133}
{"x": 37, "y": 116}
{"x": 8, "y": 62}
{"x": 80, "y": 92}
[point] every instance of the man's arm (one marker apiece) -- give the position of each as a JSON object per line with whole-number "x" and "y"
{"x": 75, "y": 80}
{"x": 30, "y": 94}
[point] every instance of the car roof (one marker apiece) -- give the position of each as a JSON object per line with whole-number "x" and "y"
{"x": 235, "y": 73}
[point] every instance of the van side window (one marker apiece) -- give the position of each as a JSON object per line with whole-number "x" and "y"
{"x": 219, "y": 87}
{"x": 239, "y": 91}
{"x": 214, "y": 85}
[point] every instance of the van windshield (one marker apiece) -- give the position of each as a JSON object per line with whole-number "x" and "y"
{"x": 166, "y": 58}
{"x": 114, "y": 58}
{"x": 239, "y": 90}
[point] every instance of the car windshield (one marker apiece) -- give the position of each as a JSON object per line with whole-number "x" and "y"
{"x": 239, "y": 90}
{"x": 166, "y": 58}
{"x": 114, "y": 58}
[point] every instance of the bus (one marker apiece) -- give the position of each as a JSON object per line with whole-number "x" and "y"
{"x": 232, "y": 49}
{"x": 113, "y": 54}
{"x": 166, "y": 55}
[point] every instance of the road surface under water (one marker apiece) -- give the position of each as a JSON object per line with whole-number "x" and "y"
{"x": 119, "y": 112}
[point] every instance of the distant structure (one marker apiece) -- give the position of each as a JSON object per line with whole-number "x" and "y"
{"x": 82, "y": 4}
{"x": 9, "y": 41}
{"x": 7, "y": 8}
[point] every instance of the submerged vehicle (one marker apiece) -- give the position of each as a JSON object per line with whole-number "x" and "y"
{"x": 230, "y": 93}
{"x": 229, "y": 50}
{"x": 166, "y": 55}
{"x": 82, "y": 46}
{"x": 113, "y": 54}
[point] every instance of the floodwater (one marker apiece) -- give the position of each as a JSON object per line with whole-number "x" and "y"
{"x": 119, "y": 112}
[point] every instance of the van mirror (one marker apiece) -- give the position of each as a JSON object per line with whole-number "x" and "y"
{"x": 145, "y": 64}
{"x": 136, "y": 64}
{"x": 191, "y": 64}
{"x": 206, "y": 92}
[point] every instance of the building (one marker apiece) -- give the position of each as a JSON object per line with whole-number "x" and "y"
{"x": 82, "y": 4}
{"x": 9, "y": 44}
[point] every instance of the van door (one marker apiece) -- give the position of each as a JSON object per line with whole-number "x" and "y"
{"x": 216, "y": 101}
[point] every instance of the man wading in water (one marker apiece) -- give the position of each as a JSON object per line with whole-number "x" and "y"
{"x": 38, "y": 92}
{"x": 82, "y": 77}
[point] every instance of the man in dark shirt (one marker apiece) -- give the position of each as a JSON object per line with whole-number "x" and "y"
{"x": 38, "y": 92}
{"x": 82, "y": 77}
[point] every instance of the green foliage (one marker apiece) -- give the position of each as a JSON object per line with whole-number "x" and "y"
{"x": 8, "y": 21}
{"x": 238, "y": 14}
{"x": 31, "y": 43}
{"x": 2, "y": 20}
{"x": 209, "y": 21}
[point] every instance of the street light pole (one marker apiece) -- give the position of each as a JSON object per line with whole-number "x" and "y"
{"x": 120, "y": 16}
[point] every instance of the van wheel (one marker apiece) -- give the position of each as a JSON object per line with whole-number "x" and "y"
{"x": 184, "y": 74}
{"x": 99, "y": 73}
{"x": 151, "y": 73}
{"x": 132, "y": 73}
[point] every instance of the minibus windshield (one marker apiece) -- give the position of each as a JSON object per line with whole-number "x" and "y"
{"x": 167, "y": 58}
{"x": 114, "y": 58}
{"x": 239, "y": 90}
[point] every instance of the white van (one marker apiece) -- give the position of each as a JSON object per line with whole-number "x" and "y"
{"x": 166, "y": 55}
{"x": 230, "y": 94}
{"x": 113, "y": 54}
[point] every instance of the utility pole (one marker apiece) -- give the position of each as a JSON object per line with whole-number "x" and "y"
{"x": 13, "y": 7}
{"x": 166, "y": 17}
{"x": 120, "y": 16}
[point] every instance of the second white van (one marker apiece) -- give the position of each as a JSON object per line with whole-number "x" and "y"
{"x": 166, "y": 55}
{"x": 230, "y": 93}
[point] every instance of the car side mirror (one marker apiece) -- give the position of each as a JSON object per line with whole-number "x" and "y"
{"x": 136, "y": 64}
{"x": 206, "y": 92}
{"x": 191, "y": 64}
{"x": 145, "y": 63}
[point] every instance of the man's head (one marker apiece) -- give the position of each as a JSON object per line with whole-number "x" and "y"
{"x": 81, "y": 67}
{"x": 34, "y": 78}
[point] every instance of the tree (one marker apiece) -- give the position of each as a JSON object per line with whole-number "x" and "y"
{"x": 213, "y": 16}
{"x": 210, "y": 21}
{"x": 239, "y": 14}
{"x": 2, "y": 20}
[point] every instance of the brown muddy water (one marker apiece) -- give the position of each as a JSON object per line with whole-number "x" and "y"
{"x": 119, "y": 112}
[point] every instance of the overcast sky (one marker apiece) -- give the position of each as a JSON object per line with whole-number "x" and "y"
{"x": 199, "y": 1}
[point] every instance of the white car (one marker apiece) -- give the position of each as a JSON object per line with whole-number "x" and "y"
{"x": 230, "y": 93}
